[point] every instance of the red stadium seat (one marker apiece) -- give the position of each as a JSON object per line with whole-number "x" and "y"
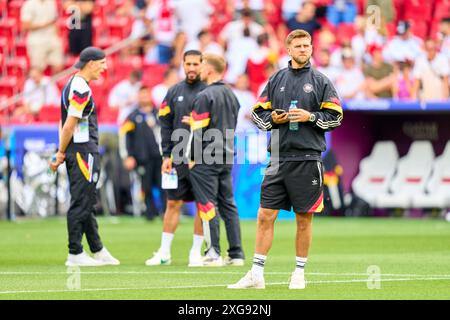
{"x": 108, "y": 115}
{"x": 418, "y": 10}
{"x": 21, "y": 48}
{"x": 119, "y": 27}
{"x": 4, "y": 46}
{"x": 441, "y": 9}
{"x": 419, "y": 29}
{"x": 14, "y": 11}
{"x": 9, "y": 86}
{"x": 153, "y": 74}
{"x": 17, "y": 66}
{"x": 106, "y": 42}
{"x": 49, "y": 114}
{"x": 345, "y": 31}
{"x": 8, "y": 29}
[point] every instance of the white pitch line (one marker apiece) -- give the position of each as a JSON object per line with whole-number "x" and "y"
{"x": 203, "y": 272}
{"x": 212, "y": 286}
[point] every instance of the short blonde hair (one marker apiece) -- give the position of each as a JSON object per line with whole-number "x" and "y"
{"x": 216, "y": 61}
{"x": 299, "y": 33}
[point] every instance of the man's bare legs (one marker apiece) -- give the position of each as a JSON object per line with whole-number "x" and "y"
{"x": 170, "y": 224}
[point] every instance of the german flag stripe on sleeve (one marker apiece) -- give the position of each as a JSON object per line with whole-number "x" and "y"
{"x": 79, "y": 100}
{"x": 164, "y": 110}
{"x": 199, "y": 120}
{"x": 263, "y": 103}
{"x": 127, "y": 127}
{"x": 206, "y": 211}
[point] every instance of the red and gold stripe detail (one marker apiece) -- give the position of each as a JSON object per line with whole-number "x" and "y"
{"x": 127, "y": 127}
{"x": 318, "y": 206}
{"x": 206, "y": 211}
{"x": 79, "y": 100}
{"x": 199, "y": 120}
{"x": 263, "y": 103}
{"x": 84, "y": 167}
{"x": 333, "y": 104}
{"x": 164, "y": 110}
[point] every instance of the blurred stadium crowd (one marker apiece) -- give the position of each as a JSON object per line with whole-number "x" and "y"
{"x": 396, "y": 49}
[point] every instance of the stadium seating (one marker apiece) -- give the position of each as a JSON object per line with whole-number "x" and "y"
{"x": 438, "y": 187}
{"x": 376, "y": 172}
{"x": 411, "y": 178}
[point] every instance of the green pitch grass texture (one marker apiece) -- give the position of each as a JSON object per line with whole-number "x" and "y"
{"x": 350, "y": 258}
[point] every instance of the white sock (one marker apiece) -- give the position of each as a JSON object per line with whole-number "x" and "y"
{"x": 166, "y": 243}
{"x": 197, "y": 243}
{"x": 300, "y": 263}
{"x": 258, "y": 265}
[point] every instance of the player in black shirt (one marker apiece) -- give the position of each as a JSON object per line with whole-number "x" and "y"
{"x": 174, "y": 116}
{"x": 78, "y": 148}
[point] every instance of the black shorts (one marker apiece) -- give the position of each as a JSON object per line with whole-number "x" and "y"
{"x": 184, "y": 190}
{"x": 297, "y": 184}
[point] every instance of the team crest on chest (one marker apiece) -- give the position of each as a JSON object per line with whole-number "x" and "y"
{"x": 308, "y": 88}
{"x": 180, "y": 98}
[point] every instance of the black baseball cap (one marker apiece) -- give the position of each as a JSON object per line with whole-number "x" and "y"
{"x": 89, "y": 54}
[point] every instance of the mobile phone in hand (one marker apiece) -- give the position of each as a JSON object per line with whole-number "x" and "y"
{"x": 280, "y": 111}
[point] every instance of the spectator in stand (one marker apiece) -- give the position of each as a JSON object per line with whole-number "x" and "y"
{"x": 444, "y": 29}
{"x": 160, "y": 90}
{"x": 255, "y": 6}
{"x": 431, "y": 72}
{"x": 205, "y": 43}
{"x": 325, "y": 67}
{"x": 379, "y": 75}
{"x": 178, "y": 49}
{"x": 124, "y": 95}
{"x": 234, "y": 30}
{"x": 44, "y": 47}
{"x": 266, "y": 53}
{"x": 269, "y": 70}
{"x": 237, "y": 54}
{"x": 404, "y": 46}
{"x": 246, "y": 99}
{"x": 336, "y": 54}
{"x": 80, "y": 35}
{"x": 290, "y": 8}
{"x": 341, "y": 11}
{"x": 403, "y": 84}
{"x": 193, "y": 16}
{"x": 350, "y": 81}
{"x": 164, "y": 27}
{"x": 38, "y": 91}
{"x": 305, "y": 19}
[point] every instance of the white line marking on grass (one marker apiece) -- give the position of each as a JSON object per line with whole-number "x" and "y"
{"x": 210, "y": 286}
{"x": 204, "y": 271}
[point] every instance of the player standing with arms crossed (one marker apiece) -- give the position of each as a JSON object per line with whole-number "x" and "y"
{"x": 174, "y": 115}
{"x": 78, "y": 147}
{"x": 302, "y": 104}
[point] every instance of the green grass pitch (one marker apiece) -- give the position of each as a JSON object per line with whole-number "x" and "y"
{"x": 413, "y": 257}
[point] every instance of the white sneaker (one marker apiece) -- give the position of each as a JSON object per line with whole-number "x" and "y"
{"x": 249, "y": 282}
{"x": 212, "y": 262}
{"x": 235, "y": 262}
{"x": 297, "y": 281}
{"x": 158, "y": 260}
{"x": 106, "y": 258}
{"x": 195, "y": 260}
{"x": 82, "y": 260}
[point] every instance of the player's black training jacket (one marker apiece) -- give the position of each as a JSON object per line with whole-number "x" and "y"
{"x": 314, "y": 93}
{"x": 176, "y": 104}
{"x": 216, "y": 107}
